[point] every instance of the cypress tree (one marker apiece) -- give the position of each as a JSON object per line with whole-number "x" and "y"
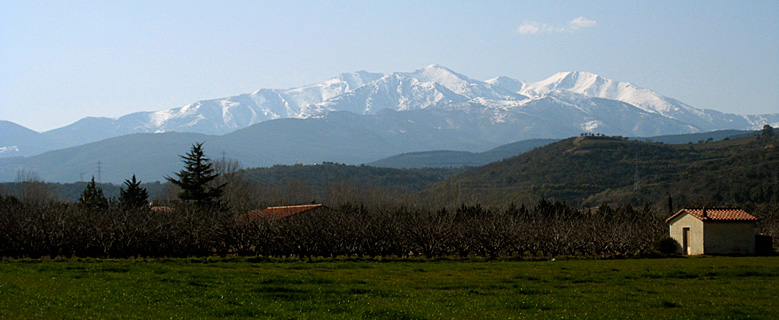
{"x": 92, "y": 196}
{"x": 135, "y": 196}
{"x": 196, "y": 179}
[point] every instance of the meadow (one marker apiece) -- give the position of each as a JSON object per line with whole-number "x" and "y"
{"x": 246, "y": 287}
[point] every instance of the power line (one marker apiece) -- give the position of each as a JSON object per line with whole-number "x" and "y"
{"x": 99, "y": 172}
{"x": 636, "y": 177}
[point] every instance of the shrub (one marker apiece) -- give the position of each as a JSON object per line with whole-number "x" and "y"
{"x": 667, "y": 245}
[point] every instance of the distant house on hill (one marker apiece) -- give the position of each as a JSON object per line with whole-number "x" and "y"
{"x": 279, "y": 212}
{"x": 713, "y": 231}
{"x": 161, "y": 209}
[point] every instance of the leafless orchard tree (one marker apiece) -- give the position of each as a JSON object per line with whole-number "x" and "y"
{"x": 545, "y": 229}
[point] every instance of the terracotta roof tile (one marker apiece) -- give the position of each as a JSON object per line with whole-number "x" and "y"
{"x": 716, "y": 214}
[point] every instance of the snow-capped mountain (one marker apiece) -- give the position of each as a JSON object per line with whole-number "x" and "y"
{"x": 593, "y": 85}
{"x": 492, "y": 112}
{"x": 432, "y": 86}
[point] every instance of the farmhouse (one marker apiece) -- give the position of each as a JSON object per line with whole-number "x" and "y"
{"x": 279, "y": 212}
{"x": 713, "y": 231}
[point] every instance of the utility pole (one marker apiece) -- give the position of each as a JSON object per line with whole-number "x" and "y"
{"x": 636, "y": 185}
{"x": 99, "y": 172}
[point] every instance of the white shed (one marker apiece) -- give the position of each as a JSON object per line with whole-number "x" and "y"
{"x": 713, "y": 231}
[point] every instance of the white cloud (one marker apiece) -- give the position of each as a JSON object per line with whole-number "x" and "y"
{"x": 581, "y": 22}
{"x": 533, "y": 27}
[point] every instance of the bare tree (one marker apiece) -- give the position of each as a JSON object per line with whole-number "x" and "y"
{"x": 237, "y": 190}
{"x": 31, "y": 188}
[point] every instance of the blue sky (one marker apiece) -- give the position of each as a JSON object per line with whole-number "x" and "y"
{"x": 64, "y": 60}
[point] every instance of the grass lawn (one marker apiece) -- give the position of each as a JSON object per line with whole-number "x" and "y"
{"x": 699, "y": 287}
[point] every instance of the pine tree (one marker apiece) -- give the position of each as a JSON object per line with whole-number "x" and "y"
{"x": 135, "y": 196}
{"x": 196, "y": 179}
{"x": 92, "y": 196}
{"x": 768, "y": 131}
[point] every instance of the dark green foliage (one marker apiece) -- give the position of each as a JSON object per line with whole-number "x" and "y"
{"x": 588, "y": 171}
{"x": 195, "y": 180}
{"x": 445, "y": 158}
{"x": 135, "y": 196}
{"x": 667, "y": 245}
{"x": 768, "y": 131}
{"x": 92, "y": 196}
{"x": 695, "y": 137}
{"x": 71, "y": 192}
{"x": 321, "y": 175}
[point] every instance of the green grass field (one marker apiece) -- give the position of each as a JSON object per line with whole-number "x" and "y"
{"x": 700, "y": 287}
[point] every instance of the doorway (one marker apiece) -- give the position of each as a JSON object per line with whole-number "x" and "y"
{"x": 686, "y": 241}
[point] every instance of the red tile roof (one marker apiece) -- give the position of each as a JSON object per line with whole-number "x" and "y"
{"x": 280, "y": 212}
{"x": 716, "y": 214}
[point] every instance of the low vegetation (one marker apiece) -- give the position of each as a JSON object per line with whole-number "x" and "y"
{"x": 547, "y": 229}
{"x": 240, "y": 288}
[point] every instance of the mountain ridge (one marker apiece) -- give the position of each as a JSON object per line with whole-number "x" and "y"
{"x": 496, "y": 111}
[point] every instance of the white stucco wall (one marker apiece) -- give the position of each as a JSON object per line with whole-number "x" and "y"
{"x": 686, "y": 220}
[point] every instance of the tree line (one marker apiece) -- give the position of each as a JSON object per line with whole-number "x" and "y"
{"x": 207, "y": 221}
{"x": 546, "y": 229}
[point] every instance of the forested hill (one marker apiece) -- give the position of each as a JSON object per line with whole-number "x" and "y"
{"x": 589, "y": 171}
{"x": 448, "y": 158}
{"x": 317, "y": 179}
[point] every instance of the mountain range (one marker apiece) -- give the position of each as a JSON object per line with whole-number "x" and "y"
{"x": 362, "y": 117}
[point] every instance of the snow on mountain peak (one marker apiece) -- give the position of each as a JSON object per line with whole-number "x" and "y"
{"x": 435, "y": 86}
{"x": 580, "y": 82}
{"x": 357, "y": 79}
{"x": 507, "y": 83}
{"x": 461, "y": 84}
{"x": 593, "y": 85}
{"x": 439, "y": 74}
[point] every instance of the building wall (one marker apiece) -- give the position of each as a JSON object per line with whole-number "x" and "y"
{"x": 686, "y": 220}
{"x": 729, "y": 237}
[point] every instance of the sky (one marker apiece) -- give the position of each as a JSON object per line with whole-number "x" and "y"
{"x": 61, "y": 61}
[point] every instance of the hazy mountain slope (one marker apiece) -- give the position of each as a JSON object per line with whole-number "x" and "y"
{"x": 338, "y": 137}
{"x": 447, "y": 158}
{"x": 149, "y": 156}
{"x": 16, "y": 140}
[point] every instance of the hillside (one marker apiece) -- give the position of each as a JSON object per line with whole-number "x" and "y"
{"x": 589, "y": 171}
{"x": 334, "y": 183}
{"x": 699, "y": 136}
{"x": 447, "y": 158}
